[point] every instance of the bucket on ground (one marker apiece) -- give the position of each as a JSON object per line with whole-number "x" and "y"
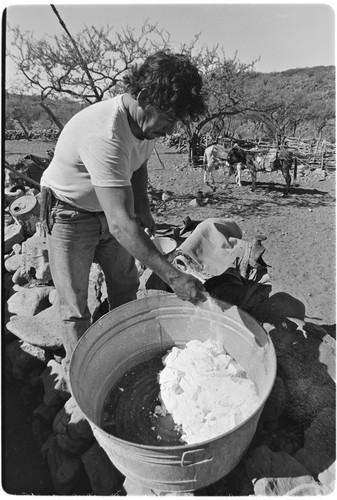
{"x": 26, "y": 211}
{"x": 142, "y": 330}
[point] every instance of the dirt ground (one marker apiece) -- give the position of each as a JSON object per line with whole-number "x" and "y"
{"x": 300, "y": 250}
{"x": 300, "y": 228}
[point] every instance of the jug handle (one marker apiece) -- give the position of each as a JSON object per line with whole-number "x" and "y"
{"x": 194, "y": 457}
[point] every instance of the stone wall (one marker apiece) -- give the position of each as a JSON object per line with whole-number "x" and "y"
{"x": 293, "y": 450}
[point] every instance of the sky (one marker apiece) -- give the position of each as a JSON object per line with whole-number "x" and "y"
{"x": 280, "y": 36}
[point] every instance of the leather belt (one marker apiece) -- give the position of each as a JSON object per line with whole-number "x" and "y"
{"x": 68, "y": 206}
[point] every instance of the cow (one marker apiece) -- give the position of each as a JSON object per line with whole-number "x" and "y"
{"x": 214, "y": 156}
{"x": 252, "y": 159}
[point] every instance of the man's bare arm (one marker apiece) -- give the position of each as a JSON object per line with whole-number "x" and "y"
{"x": 118, "y": 204}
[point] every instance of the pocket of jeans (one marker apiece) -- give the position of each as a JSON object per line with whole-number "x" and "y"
{"x": 68, "y": 215}
{"x": 62, "y": 214}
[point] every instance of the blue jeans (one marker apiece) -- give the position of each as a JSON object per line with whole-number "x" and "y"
{"x": 77, "y": 239}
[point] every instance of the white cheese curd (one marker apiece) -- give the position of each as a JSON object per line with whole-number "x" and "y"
{"x": 206, "y": 391}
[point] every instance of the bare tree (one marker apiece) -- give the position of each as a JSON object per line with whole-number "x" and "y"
{"x": 24, "y": 115}
{"x": 87, "y": 66}
{"x": 224, "y": 80}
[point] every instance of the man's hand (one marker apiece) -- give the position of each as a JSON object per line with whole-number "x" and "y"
{"x": 146, "y": 221}
{"x": 188, "y": 288}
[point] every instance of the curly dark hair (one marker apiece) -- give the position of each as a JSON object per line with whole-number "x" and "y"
{"x": 172, "y": 81}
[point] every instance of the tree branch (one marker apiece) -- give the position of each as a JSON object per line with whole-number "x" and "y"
{"x": 82, "y": 62}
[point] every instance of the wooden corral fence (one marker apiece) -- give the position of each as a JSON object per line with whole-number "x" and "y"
{"x": 314, "y": 153}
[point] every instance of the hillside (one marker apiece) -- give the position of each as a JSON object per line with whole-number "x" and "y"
{"x": 312, "y": 89}
{"x": 310, "y": 80}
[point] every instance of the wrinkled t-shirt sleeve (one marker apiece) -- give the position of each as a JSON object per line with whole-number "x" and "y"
{"x": 107, "y": 161}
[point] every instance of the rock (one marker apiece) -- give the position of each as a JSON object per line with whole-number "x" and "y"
{"x": 17, "y": 249}
{"x": 40, "y": 431}
{"x": 319, "y": 450}
{"x": 104, "y": 478}
{"x": 73, "y": 432}
{"x": 7, "y": 336}
{"x": 13, "y": 263}
{"x": 327, "y": 478}
{"x": 18, "y": 279}
{"x": 96, "y": 279}
{"x": 42, "y": 424}
{"x": 47, "y": 413}
{"x": 78, "y": 426}
{"x": 96, "y": 290}
{"x": 7, "y": 286}
{"x": 275, "y": 473}
{"x": 31, "y": 392}
{"x": 73, "y": 447}
{"x": 18, "y": 288}
{"x": 131, "y": 488}
{"x": 29, "y": 301}
{"x": 42, "y": 330}
{"x": 23, "y": 358}
{"x": 96, "y": 275}
{"x": 8, "y": 219}
{"x": 55, "y": 386}
{"x": 276, "y": 403}
{"x": 35, "y": 256}
{"x": 166, "y": 196}
{"x": 53, "y": 296}
{"x": 66, "y": 471}
{"x": 13, "y": 234}
{"x": 194, "y": 203}
{"x": 280, "y": 486}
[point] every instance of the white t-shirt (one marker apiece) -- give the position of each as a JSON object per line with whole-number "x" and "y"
{"x": 95, "y": 148}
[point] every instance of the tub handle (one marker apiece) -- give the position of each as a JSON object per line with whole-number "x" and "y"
{"x": 195, "y": 457}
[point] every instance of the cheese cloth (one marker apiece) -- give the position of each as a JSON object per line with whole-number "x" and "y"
{"x": 214, "y": 246}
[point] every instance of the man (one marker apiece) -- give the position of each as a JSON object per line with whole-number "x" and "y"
{"x": 95, "y": 190}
